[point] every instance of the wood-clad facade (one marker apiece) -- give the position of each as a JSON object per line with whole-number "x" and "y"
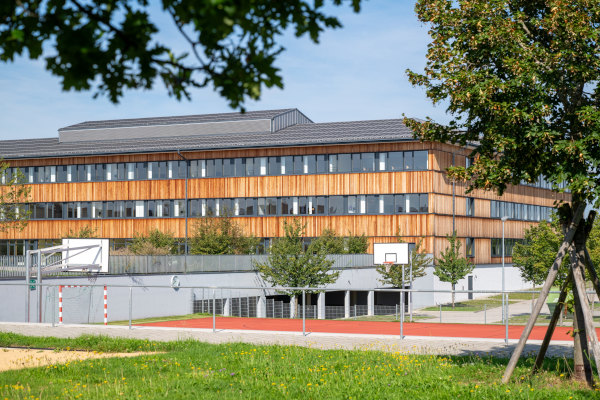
{"x": 446, "y": 209}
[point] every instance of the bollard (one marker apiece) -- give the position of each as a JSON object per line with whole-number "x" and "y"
{"x": 130, "y": 304}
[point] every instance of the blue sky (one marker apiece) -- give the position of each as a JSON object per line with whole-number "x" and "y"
{"x": 354, "y": 73}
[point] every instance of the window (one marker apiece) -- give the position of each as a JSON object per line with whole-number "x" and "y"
{"x": 336, "y": 205}
{"x": 400, "y": 204}
{"x": 344, "y": 163}
{"x": 470, "y": 208}
{"x": 420, "y": 160}
{"x": 509, "y": 244}
{"x": 470, "y": 247}
{"x": 368, "y": 162}
{"x": 395, "y": 161}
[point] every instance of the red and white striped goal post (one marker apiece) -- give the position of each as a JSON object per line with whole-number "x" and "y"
{"x": 60, "y": 302}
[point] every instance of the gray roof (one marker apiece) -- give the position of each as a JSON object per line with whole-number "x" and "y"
{"x": 177, "y": 120}
{"x": 297, "y": 135}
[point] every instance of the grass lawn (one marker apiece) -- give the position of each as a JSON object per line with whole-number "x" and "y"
{"x": 162, "y": 319}
{"x": 478, "y": 304}
{"x": 193, "y": 370}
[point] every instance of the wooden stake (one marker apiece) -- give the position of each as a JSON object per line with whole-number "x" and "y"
{"x": 592, "y": 272}
{"x": 591, "y": 335}
{"x": 566, "y": 244}
{"x": 555, "y": 317}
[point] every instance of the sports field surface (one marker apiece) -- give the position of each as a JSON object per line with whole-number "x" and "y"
{"x": 368, "y": 327}
{"x": 194, "y": 370}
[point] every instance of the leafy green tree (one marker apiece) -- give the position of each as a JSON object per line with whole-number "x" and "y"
{"x": 220, "y": 235}
{"x": 330, "y": 242}
{"x": 114, "y": 45}
{"x": 392, "y": 274}
{"x": 14, "y": 194}
{"x": 85, "y": 232}
{"x": 357, "y": 244}
{"x": 291, "y": 265}
{"x": 155, "y": 242}
{"x": 451, "y": 266}
{"x": 520, "y": 80}
{"x": 535, "y": 255}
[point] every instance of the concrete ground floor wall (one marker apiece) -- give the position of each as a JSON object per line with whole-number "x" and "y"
{"x": 85, "y": 303}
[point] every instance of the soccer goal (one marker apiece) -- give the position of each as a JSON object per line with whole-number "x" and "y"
{"x": 83, "y": 303}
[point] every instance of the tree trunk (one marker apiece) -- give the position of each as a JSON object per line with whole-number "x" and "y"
{"x": 453, "y": 286}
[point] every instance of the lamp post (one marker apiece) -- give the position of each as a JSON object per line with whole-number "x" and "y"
{"x": 187, "y": 168}
{"x": 503, "y": 288}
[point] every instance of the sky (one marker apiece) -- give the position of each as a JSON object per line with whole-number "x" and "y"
{"x": 354, "y": 73}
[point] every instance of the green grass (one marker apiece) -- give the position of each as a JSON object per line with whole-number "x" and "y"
{"x": 192, "y": 370}
{"x": 478, "y": 304}
{"x": 162, "y": 319}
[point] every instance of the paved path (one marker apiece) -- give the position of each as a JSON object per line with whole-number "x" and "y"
{"x": 413, "y": 345}
{"x": 490, "y": 316}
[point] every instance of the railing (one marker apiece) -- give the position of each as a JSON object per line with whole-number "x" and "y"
{"x": 219, "y": 263}
{"x": 14, "y": 266}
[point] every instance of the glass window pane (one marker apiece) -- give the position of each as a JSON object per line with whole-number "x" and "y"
{"x": 286, "y": 205}
{"x": 414, "y": 202}
{"x": 250, "y": 167}
{"x": 388, "y": 203}
{"x": 420, "y": 160}
{"x": 262, "y": 205}
{"x": 333, "y": 163}
{"x": 298, "y": 164}
{"x": 240, "y": 167}
{"x": 372, "y": 204}
{"x": 322, "y": 163}
{"x": 271, "y": 205}
{"x": 228, "y": 167}
{"x": 302, "y": 205}
{"x": 395, "y": 161}
{"x": 356, "y": 164}
{"x": 408, "y": 161}
{"x": 321, "y": 206}
{"x": 274, "y": 165}
{"x": 336, "y": 205}
{"x": 424, "y": 204}
{"x": 368, "y": 162}
{"x": 310, "y": 164}
{"x": 251, "y": 206}
{"x": 352, "y": 205}
{"x": 344, "y": 163}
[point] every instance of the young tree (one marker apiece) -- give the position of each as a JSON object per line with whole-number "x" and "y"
{"x": 392, "y": 274}
{"x": 290, "y": 265}
{"x": 357, "y": 244}
{"x": 521, "y": 83}
{"x": 13, "y": 196}
{"x": 220, "y": 235}
{"x": 536, "y": 254}
{"x": 451, "y": 266}
{"x": 330, "y": 242}
{"x": 112, "y": 45}
{"x": 85, "y": 232}
{"x": 155, "y": 242}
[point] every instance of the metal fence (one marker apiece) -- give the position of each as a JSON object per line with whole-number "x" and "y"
{"x": 134, "y": 303}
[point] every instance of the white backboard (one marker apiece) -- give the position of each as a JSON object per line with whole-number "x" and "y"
{"x": 95, "y": 255}
{"x": 396, "y": 253}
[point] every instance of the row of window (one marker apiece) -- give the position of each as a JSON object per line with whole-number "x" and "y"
{"x": 509, "y": 245}
{"x": 250, "y": 206}
{"x": 227, "y": 167}
{"x": 18, "y": 247}
{"x": 525, "y": 212}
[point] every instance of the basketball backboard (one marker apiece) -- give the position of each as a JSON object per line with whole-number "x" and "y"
{"x": 386, "y": 253}
{"x": 92, "y": 256}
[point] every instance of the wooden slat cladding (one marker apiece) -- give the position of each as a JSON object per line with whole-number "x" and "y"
{"x": 480, "y": 227}
{"x": 254, "y": 186}
{"x": 261, "y": 152}
{"x": 371, "y": 225}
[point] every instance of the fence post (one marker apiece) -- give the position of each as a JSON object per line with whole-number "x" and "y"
{"x": 347, "y": 304}
{"x": 130, "y": 304}
{"x": 506, "y": 319}
{"x": 54, "y": 307}
{"x": 214, "y": 312}
{"x": 303, "y": 312}
{"x": 485, "y": 314}
{"x": 440, "y": 313}
{"x": 402, "y": 315}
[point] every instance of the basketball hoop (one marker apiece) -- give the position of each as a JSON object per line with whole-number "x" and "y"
{"x": 388, "y": 265}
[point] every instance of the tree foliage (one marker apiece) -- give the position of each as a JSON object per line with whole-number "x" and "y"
{"x": 451, "y": 266}
{"x": 535, "y": 255}
{"x": 291, "y": 265}
{"x": 113, "y": 45}
{"x": 85, "y": 232}
{"x": 332, "y": 243}
{"x": 155, "y": 242}
{"x": 220, "y": 235}
{"x": 520, "y": 80}
{"x": 392, "y": 274}
{"x": 13, "y": 195}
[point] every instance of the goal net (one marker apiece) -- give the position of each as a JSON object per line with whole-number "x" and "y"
{"x": 82, "y": 304}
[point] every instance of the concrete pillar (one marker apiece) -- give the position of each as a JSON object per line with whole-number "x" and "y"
{"x": 227, "y": 307}
{"x": 261, "y": 307}
{"x": 347, "y": 304}
{"x": 321, "y": 306}
{"x": 370, "y": 302}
